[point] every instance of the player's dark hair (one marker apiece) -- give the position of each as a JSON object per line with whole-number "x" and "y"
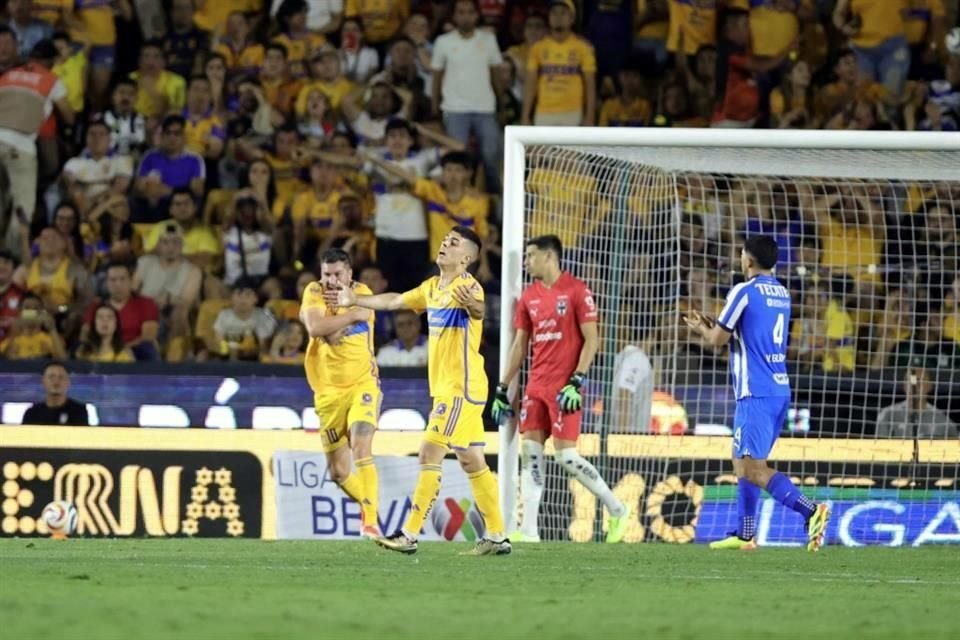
{"x": 548, "y": 243}
{"x": 333, "y": 256}
{"x": 469, "y": 234}
{"x": 764, "y": 250}
{"x": 57, "y": 364}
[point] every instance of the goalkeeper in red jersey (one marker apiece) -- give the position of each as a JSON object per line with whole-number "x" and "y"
{"x": 558, "y": 312}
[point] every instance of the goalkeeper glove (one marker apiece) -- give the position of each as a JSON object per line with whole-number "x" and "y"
{"x": 569, "y": 398}
{"x": 501, "y": 404}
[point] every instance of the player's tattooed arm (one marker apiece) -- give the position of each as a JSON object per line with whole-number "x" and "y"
{"x": 466, "y": 296}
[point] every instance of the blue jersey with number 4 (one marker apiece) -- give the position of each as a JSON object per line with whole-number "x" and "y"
{"x": 757, "y": 313}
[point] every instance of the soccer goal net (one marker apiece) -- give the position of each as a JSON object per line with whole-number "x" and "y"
{"x": 654, "y": 220}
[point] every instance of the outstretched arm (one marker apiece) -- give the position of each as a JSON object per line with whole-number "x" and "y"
{"x": 380, "y": 302}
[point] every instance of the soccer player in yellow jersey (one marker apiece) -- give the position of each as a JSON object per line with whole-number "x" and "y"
{"x": 342, "y": 371}
{"x": 454, "y": 305}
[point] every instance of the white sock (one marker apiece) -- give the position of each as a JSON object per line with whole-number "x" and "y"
{"x": 531, "y": 486}
{"x": 587, "y": 474}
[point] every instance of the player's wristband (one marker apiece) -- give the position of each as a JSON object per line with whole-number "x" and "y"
{"x": 577, "y": 379}
{"x": 502, "y": 388}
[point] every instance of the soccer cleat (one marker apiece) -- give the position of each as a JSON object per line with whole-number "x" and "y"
{"x": 616, "y": 527}
{"x": 817, "y": 527}
{"x": 398, "y": 542}
{"x": 371, "y": 532}
{"x": 488, "y": 547}
{"x": 519, "y": 536}
{"x": 734, "y": 543}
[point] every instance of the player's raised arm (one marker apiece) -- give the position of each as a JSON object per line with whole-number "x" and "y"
{"x": 380, "y": 302}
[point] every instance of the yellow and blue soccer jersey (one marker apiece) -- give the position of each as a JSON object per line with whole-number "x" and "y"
{"x": 50, "y": 11}
{"x": 455, "y": 366}
{"x": 346, "y": 364}
{"x": 560, "y": 67}
{"x": 343, "y": 376}
{"x": 200, "y": 129}
{"x": 696, "y": 20}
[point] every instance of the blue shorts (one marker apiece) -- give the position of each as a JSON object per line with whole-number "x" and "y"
{"x": 103, "y": 56}
{"x": 756, "y": 425}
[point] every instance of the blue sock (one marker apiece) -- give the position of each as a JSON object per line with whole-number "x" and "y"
{"x": 748, "y": 495}
{"x": 789, "y": 496}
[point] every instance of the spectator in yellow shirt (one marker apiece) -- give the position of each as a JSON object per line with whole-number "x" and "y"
{"x": 243, "y": 56}
{"x": 792, "y": 103}
{"x": 878, "y": 38}
{"x": 693, "y": 24}
{"x": 630, "y": 108}
{"x": 534, "y": 30}
{"x": 279, "y": 90}
{"x": 34, "y": 334}
{"x": 314, "y": 211}
{"x": 212, "y": 15}
{"x": 200, "y": 244}
{"x": 841, "y": 350}
{"x": 561, "y": 83}
{"x": 299, "y": 41}
{"x": 204, "y": 131}
{"x": 71, "y": 68}
{"x": 652, "y": 23}
{"x": 381, "y": 19}
{"x": 325, "y": 69}
{"x": 849, "y": 87}
{"x": 94, "y": 24}
{"x": 159, "y": 92}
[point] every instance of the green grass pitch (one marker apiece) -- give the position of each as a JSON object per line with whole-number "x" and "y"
{"x": 140, "y": 589}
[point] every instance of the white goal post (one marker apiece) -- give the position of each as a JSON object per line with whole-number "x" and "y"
{"x": 665, "y": 159}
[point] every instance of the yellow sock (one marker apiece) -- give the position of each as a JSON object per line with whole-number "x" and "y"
{"x": 428, "y": 488}
{"x": 371, "y": 489}
{"x": 488, "y": 500}
{"x": 353, "y": 487}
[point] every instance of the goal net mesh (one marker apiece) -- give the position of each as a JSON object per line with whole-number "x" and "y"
{"x": 869, "y": 252}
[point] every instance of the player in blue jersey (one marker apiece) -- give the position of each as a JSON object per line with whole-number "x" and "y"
{"x": 755, "y": 320}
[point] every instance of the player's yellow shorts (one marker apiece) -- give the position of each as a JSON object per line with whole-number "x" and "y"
{"x": 456, "y": 423}
{"x": 340, "y": 408}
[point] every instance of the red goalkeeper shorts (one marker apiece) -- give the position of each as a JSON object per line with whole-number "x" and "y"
{"x": 540, "y": 411}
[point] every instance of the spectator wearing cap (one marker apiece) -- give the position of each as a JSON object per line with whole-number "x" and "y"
{"x": 410, "y": 347}
{"x": 167, "y": 168}
{"x": 247, "y": 239}
{"x": 139, "y": 315}
{"x": 200, "y": 244}
{"x": 296, "y": 37}
{"x": 168, "y": 278}
{"x": 915, "y": 417}
{"x": 97, "y": 173}
{"x": 561, "y": 85}
{"x": 184, "y": 42}
{"x": 243, "y": 330}
{"x": 27, "y": 98}
{"x": 466, "y": 85}
{"x": 159, "y": 91}
{"x": 327, "y": 76}
{"x": 11, "y": 294}
{"x": 57, "y": 409}
{"x": 28, "y": 29}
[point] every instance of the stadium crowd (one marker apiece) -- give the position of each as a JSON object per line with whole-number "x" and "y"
{"x": 180, "y": 167}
